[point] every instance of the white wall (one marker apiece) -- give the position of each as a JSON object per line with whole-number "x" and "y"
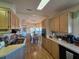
{"x": 76, "y": 25}
{"x": 75, "y": 21}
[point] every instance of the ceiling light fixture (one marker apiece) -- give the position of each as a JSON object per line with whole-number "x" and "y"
{"x": 42, "y": 4}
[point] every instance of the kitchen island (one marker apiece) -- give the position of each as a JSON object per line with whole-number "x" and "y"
{"x": 16, "y": 51}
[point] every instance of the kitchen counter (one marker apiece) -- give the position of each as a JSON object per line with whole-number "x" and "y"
{"x": 65, "y": 44}
{"x": 15, "y": 51}
{"x": 7, "y": 50}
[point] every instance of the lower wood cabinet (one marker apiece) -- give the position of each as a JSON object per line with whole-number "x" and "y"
{"x": 51, "y": 47}
{"x": 43, "y": 42}
{"x": 55, "y": 50}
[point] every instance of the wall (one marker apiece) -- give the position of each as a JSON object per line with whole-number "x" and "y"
{"x": 23, "y": 19}
{"x": 75, "y": 19}
{"x": 8, "y": 5}
{"x": 70, "y": 23}
{"x": 76, "y": 23}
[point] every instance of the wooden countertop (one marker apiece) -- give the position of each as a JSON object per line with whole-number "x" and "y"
{"x": 7, "y": 50}
{"x": 65, "y": 44}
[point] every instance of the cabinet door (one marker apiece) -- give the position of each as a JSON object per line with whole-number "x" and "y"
{"x": 4, "y": 19}
{"x": 55, "y": 50}
{"x": 46, "y": 43}
{"x": 43, "y": 42}
{"x": 44, "y": 24}
{"x": 52, "y": 25}
{"x": 64, "y": 22}
{"x": 49, "y": 42}
{"x": 51, "y": 47}
{"x": 56, "y": 24}
{"x": 14, "y": 21}
{"x": 17, "y": 22}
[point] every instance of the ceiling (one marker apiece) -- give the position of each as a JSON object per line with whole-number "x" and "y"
{"x": 50, "y": 9}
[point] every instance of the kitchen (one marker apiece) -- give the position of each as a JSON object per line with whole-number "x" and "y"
{"x": 60, "y": 30}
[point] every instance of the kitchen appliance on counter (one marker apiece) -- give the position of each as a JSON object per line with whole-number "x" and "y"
{"x": 71, "y": 38}
{"x": 77, "y": 41}
{"x": 65, "y": 36}
{"x": 68, "y": 37}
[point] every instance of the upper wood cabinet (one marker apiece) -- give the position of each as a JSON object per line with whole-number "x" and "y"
{"x": 17, "y": 22}
{"x": 61, "y": 23}
{"x": 56, "y": 24}
{"x": 8, "y": 19}
{"x": 64, "y": 22}
{"x": 4, "y": 18}
{"x": 44, "y": 24}
{"x": 14, "y": 21}
{"x": 51, "y": 25}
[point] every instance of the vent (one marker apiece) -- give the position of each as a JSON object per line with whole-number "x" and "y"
{"x": 29, "y": 9}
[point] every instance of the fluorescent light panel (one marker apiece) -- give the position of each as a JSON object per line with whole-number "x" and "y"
{"x": 42, "y": 4}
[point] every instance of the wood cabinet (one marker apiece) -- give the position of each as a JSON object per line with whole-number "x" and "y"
{"x": 64, "y": 22}
{"x": 56, "y": 24}
{"x": 44, "y": 42}
{"x": 60, "y": 23}
{"x": 51, "y": 25}
{"x": 14, "y": 21}
{"x": 51, "y": 47}
{"x": 8, "y": 19}
{"x": 55, "y": 50}
{"x": 4, "y": 19}
{"x": 48, "y": 45}
{"x": 44, "y": 24}
{"x": 17, "y": 22}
